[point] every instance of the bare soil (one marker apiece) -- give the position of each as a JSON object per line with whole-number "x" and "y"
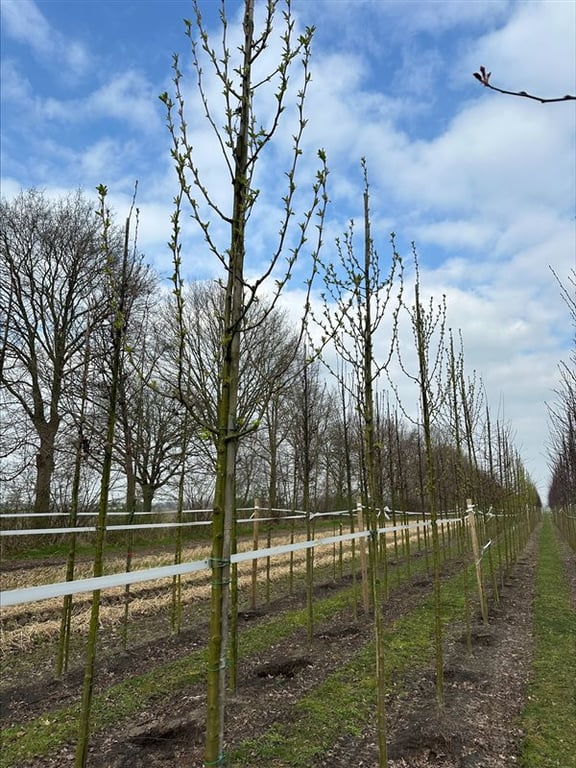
{"x": 478, "y": 727}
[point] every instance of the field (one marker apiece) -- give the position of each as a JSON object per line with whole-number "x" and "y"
{"x": 510, "y": 683}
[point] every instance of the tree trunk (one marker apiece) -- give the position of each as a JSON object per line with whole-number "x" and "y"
{"x": 148, "y": 492}
{"x": 227, "y": 437}
{"x": 44, "y": 468}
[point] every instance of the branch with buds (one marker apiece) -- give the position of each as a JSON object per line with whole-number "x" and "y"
{"x": 484, "y": 77}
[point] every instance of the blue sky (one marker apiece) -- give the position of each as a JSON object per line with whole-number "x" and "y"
{"x": 484, "y": 184}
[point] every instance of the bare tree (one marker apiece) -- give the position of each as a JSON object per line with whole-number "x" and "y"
{"x": 50, "y": 295}
{"x": 270, "y": 344}
{"x": 562, "y": 416}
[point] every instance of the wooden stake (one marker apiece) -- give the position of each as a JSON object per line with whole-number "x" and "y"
{"x": 255, "y": 548}
{"x": 363, "y": 561}
{"x": 477, "y": 560}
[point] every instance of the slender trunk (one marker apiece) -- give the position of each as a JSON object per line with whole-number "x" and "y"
{"x": 349, "y": 499}
{"x": 403, "y": 496}
{"x": 393, "y": 498}
{"x": 82, "y": 451}
{"x": 431, "y": 491}
{"x": 306, "y": 472}
{"x": 372, "y": 500}
{"x": 177, "y": 580}
{"x": 117, "y": 344}
{"x": 227, "y": 437}
{"x": 233, "y": 612}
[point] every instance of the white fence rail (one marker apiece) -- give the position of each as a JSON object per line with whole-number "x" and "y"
{"x": 295, "y": 515}
{"x": 78, "y": 586}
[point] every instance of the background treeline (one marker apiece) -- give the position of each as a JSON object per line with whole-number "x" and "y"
{"x": 562, "y": 451}
{"x": 302, "y": 420}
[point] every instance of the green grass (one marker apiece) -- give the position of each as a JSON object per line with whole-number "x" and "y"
{"x": 52, "y": 730}
{"x": 343, "y": 704}
{"x": 549, "y": 719}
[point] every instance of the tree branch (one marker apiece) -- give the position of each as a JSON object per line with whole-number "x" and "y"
{"x": 484, "y": 77}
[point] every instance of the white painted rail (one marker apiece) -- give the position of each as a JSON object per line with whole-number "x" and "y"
{"x": 79, "y": 586}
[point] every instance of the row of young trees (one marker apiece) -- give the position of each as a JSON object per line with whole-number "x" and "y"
{"x": 139, "y": 390}
{"x": 562, "y": 448}
{"x": 209, "y": 387}
{"x": 56, "y": 377}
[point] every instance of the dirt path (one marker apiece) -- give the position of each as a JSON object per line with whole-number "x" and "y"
{"x": 485, "y": 689}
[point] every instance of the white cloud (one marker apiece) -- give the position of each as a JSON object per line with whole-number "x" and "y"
{"x": 15, "y": 86}
{"x": 454, "y": 234}
{"x": 484, "y": 183}
{"x": 435, "y": 17}
{"x": 495, "y": 157}
{"x": 534, "y": 51}
{"x": 127, "y": 97}
{"x": 23, "y": 21}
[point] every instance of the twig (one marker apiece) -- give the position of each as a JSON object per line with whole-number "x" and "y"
{"x": 484, "y": 78}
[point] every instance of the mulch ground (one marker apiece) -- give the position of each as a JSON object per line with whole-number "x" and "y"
{"x": 485, "y": 688}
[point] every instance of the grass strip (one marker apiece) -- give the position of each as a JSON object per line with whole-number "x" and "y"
{"x": 549, "y": 718}
{"x": 52, "y": 730}
{"x": 342, "y": 704}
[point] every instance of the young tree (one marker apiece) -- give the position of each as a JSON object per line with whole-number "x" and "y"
{"x": 362, "y": 295}
{"x": 118, "y": 304}
{"x": 242, "y": 140}
{"x": 428, "y": 325}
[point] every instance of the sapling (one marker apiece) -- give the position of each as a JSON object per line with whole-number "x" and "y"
{"x": 118, "y": 299}
{"x": 357, "y": 300}
{"x": 428, "y": 327}
{"x": 242, "y": 140}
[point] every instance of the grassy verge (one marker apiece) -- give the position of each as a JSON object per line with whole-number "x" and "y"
{"x": 549, "y": 718}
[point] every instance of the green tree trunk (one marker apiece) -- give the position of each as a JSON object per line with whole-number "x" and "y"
{"x": 227, "y": 436}
{"x": 119, "y": 323}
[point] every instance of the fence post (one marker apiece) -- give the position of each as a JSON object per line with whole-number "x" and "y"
{"x": 477, "y": 559}
{"x": 363, "y": 563}
{"x": 255, "y": 525}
